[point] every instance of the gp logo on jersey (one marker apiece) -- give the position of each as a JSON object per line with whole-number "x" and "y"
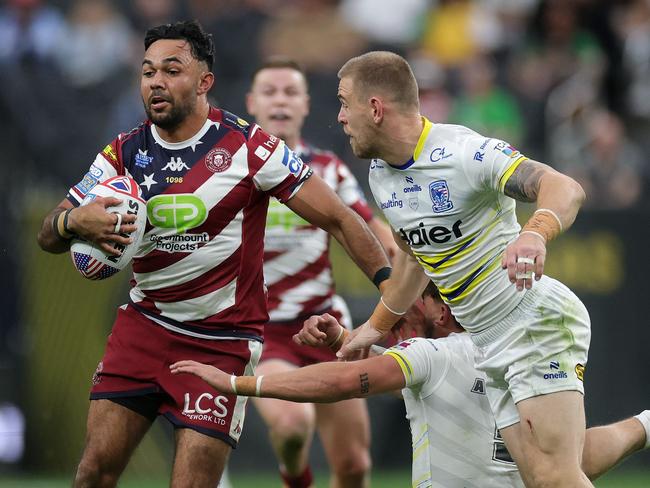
{"x": 439, "y": 193}
{"x": 180, "y": 212}
{"x": 291, "y": 161}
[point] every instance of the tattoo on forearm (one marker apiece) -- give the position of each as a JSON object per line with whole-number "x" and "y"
{"x": 523, "y": 184}
{"x": 365, "y": 384}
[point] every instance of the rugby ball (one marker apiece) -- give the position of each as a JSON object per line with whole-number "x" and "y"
{"x": 89, "y": 259}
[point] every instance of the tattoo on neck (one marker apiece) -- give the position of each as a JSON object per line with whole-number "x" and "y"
{"x": 365, "y": 384}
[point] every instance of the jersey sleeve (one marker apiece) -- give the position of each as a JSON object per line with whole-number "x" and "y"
{"x": 277, "y": 169}
{"x": 349, "y": 191}
{"x": 488, "y": 163}
{"x": 423, "y": 361}
{"x": 106, "y": 165}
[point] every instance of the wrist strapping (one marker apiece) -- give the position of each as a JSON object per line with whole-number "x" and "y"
{"x": 383, "y": 318}
{"x": 244, "y": 385}
{"x": 60, "y": 225}
{"x": 545, "y": 223}
{"x": 340, "y": 339}
{"x": 644, "y": 418}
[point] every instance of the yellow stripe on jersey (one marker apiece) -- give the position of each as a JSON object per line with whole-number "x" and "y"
{"x": 452, "y": 257}
{"x": 506, "y": 176}
{"x": 403, "y": 364}
{"x": 423, "y": 137}
{"x": 470, "y": 282}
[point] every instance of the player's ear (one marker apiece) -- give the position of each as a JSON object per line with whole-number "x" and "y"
{"x": 206, "y": 80}
{"x": 445, "y": 315}
{"x": 377, "y": 109}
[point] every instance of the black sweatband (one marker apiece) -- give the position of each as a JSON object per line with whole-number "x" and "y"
{"x": 65, "y": 221}
{"x": 382, "y": 275}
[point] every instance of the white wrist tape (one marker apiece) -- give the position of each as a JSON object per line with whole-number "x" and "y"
{"x": 644, "y": 418}
{"x": 390, "y": 309}
{"x": 233, "y": 384}
{"x": 258, "y": 385}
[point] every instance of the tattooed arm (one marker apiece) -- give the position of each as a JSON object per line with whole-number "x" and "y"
{"x": 559, "y": 196}
{"x": 537, "y": 182}
{"x": 322, "y": 383}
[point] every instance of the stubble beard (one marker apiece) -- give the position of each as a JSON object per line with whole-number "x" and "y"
{"x": 172, "y": 118}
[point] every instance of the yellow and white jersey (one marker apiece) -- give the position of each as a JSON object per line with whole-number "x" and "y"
{"x": 455, "y": 440}
{"x": 447, "y": 203}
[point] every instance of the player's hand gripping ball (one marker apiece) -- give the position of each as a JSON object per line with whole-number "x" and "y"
{"x": 89, "y": 259}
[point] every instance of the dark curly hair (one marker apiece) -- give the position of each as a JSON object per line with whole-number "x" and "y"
{"x": 191, "y": 31}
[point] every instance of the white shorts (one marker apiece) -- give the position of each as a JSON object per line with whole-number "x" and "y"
{"x": 538, "y": 348}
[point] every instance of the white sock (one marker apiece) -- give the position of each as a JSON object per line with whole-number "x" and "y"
{"x": 644, "y": 418}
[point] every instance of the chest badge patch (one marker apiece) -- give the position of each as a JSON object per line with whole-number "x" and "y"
{"x": 439, "y": 193}
{"x": 218, "y": 160}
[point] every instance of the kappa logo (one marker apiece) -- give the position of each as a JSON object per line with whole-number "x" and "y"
{"x": 175, "y": 164}
{"x": 181, "y": 211}
{"x": 218, "y": 160}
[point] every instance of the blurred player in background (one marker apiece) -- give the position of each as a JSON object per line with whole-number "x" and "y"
{"x": 456, "y": 443}
{"x": 459, "y": 226}
{"x": 198, "y": 287}
{"x": 298, "y": 275}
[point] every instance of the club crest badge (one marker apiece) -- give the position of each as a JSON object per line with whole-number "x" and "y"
{"x": 439, "y": 193}
{"x": 218, "y": 160}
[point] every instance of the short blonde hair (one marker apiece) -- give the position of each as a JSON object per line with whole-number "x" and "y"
{"x": 385, "y": 71}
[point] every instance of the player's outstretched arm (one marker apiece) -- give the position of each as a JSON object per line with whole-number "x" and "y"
{"x": 322, "y": 383}
{"x": 400, "y": 292}
{"x": 558, "y": 198}
{"x": 608, "y": 445}
{"x": 91, "y": 222}
{"x": 317, "y": 203}
{"x": 384, "y": 233}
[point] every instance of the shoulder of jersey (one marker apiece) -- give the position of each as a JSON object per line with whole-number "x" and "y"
{"x": 125, "y": 136}
{"x": 236, "y": 123}
{"x": 452, "y": 131}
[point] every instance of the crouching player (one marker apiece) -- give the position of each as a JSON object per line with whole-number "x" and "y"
{"x": 454, "y": 435}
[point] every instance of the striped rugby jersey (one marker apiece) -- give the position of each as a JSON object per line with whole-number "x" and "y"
{"x": 447, "y": 203}
{"x": 198, "y": 270}
{"x": 297, "y": 268}
{"x": 455, "y": 440}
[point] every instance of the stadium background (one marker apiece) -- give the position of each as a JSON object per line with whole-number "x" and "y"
{"x": 566, "y": 81}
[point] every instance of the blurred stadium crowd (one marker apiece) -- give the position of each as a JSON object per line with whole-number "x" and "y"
{"x": 565, "y": 81}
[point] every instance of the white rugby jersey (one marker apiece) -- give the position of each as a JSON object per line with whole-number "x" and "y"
{"x": 297, "y": 268}
{"x": 455, "y": 440}
{"x": 198, "y": 270}
{"x": 447, "y": 203}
